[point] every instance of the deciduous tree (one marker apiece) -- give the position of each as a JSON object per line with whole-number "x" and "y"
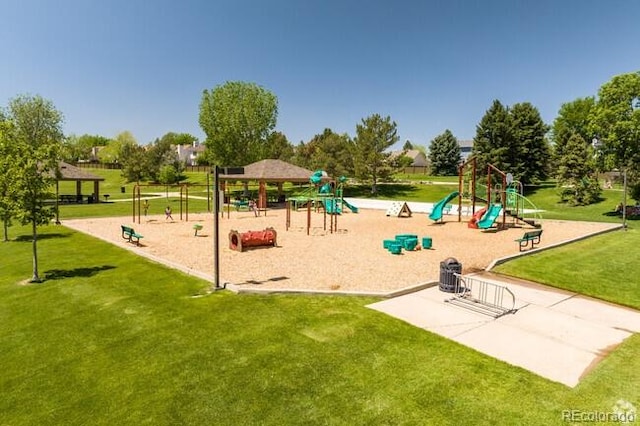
{"x": 237, "y": 118}
{"x": 278, "y": 147}
{"x": 113, "y": 151}
{"x": 7, "y": 185}
{"x": 573, "y": 118}
{"x": 616, "y": 119}
{"x": 36, "y": 130}
{"x": 78, "y": 148}
{"x": 576, "y": 173}
{"x": 328, "y": 151}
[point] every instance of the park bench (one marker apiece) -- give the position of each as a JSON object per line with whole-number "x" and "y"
{"x": 531, "y": 236}
{"x": 241, "y": 205}
{"x": 130, "y": 235}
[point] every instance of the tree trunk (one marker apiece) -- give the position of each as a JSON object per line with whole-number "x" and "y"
{"x": 6, "y": 230}
{"x": 374, "y": 185}
{"x": 36, "y": 277}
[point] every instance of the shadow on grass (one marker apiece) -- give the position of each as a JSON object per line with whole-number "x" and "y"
{"x": 29, "y": 238}
{"x": 386, "y": 190}
{"x": 613, "y": 214}
{"x": 59, "y": 274}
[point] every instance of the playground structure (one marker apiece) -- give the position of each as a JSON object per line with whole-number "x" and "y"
{"x": 324, "y": 193}
{"x": 240, "y": 241}
{"x": 503, "y": 198}
{"x": 327, "y": 196}
{"x": 439, "y": 207}
{"x": 137, "y": 200}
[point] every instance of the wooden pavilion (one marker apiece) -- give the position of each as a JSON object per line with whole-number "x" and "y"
{"x": 67, "y": 172}
{"x": 269, "y": 171}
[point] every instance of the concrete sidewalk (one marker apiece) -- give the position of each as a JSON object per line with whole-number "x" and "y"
{"x": 556, "y": 334}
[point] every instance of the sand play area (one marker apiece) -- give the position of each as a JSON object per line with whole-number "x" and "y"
{"x": 350, "y": 260}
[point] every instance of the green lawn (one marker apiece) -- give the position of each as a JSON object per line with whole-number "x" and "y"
{"x": 110, "y": 338}
{"x": 545, "y": 196}
{"x": 603, "y": 267}
{"x": 402, "y": 191}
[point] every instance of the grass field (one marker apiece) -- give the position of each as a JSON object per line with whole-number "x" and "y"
{"x": 111, "y": 338}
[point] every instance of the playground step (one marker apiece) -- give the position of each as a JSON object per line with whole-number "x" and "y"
{"x": 531, "y": 222}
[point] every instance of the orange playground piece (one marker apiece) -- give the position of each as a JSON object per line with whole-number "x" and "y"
{"x": 241, "y": 240}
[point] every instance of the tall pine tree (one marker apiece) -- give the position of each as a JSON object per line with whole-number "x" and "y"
{"x": 531, "y": 161}
{"x": 513, "y": 140}
{"x": 444, "y": 154}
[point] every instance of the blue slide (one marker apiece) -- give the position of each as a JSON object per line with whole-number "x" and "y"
{"x": 436, "y": 213}
{"x": 490, "y": 216}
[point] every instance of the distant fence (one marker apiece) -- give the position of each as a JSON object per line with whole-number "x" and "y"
{"x": 197, "y": 169}
{"x": 414, "y": 170}
{"x": 409, "y": 170}
{"x": 116, "y": 166}
{"x": 109, "y": 166}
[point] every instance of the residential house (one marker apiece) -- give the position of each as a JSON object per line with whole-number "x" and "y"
{"x": 189, "y": 153}
{"x": 418, "y": 159}
{"x": 466, "y": 146}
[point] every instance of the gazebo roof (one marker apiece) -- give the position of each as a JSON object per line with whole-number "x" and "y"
{"x": 73, "y": 173}
{"x": 271, "y": 171}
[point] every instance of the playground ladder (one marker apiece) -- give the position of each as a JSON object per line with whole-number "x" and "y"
{"x": 483, "y": 297}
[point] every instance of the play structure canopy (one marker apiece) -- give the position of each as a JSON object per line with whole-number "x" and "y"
{"x": 271, "y": 171}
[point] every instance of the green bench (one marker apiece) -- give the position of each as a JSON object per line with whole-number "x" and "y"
{"x": 241, "y": 205}
{"x": 531, "y": 236}
{"x": 130, "y": 235}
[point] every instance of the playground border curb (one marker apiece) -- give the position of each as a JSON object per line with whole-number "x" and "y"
{"x": 237, "y": 288}
{"x": 501, "y": 260}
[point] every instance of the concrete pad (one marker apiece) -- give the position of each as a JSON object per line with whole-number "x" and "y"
{"x": 555, "y": 334}
{"x": 430, "y": 315}
{"x": 539, "y": 354}
{"x": 593, "y": 310}
{"x": 569, "y": 330}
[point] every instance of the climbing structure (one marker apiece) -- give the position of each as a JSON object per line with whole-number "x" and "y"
{"x": 500, "y": 195}
{"x": 399, "y": 209}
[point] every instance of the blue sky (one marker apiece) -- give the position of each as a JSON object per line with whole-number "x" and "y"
{"x": 141, "y": 65}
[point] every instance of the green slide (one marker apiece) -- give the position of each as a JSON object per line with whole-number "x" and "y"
{"x": 490, "y": 216}
{"x": 436, "y": 213}
{"x": 351, "y": 207}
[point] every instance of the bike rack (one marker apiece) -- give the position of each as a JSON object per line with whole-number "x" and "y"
{"x": 483, "y": 297}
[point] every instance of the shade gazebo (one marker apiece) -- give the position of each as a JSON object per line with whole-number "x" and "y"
{"x": 270, "y": 171}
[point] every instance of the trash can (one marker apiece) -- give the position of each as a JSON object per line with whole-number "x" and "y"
{"x": 448, "y": 280}
{"x": 122, "y": 189}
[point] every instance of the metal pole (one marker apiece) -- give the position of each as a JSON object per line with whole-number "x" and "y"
{"x": 208, "y": 194}
{"x": 216, "y": 228}
{"x": 624, "y": 201}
